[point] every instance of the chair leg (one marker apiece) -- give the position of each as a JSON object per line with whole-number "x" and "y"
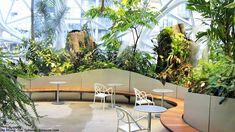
{"x": 104, "y": 103}
{"x": 112, "y": 100}
{"x": 94, "y": 100}
{"x": 101, "y": 101}
{"x": 134, "y": 111}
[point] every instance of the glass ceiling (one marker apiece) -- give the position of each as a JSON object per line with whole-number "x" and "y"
{"x": 15, "y": 20}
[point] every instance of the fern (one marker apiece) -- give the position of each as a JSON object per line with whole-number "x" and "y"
{"x": 14, "y": 102}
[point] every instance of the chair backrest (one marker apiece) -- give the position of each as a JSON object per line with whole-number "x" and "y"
{"x": 125, "y": 116}
{"x": 140, "y": 94}
{"x": 100, "y": 88}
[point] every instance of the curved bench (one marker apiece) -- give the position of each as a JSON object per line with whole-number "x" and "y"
{"x": 172, "y": 119}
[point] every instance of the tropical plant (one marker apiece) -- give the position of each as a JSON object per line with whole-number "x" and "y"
{"x": 112, "y": 47}
{"x": 222, "y": 33}
{"x": 128, "y": 15}
{"x": 173, "y": 50}
{"x": 214, "y": 78}
{"x": 47, "y": 60}
{"x": 142, "y": 62}
{"x": 84, "y": 53}
{"x": 15, "y": 105}
{"x": 93, "y": 59}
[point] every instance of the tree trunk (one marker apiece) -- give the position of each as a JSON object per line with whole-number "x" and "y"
{"x": 32, "y": 20}
{"x": 102, "y": 6}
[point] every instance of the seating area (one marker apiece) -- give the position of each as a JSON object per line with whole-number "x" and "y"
{"x": 117, "y": 65}
{"x": 172, "y": 119}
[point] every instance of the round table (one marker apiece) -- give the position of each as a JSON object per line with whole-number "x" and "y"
{"x": 114, "y": 85}
{"x": 162, "y": 91}
{"x": 57, "y": 83}
{"x": 150, "y": 109}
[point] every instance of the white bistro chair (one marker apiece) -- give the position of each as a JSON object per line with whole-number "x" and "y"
{"x": 141, "y": 98}
{"x": 101, "y": 91}
{"x": 126, "y": 122}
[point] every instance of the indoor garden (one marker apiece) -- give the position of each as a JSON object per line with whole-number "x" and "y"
{"x": 186, "y": 44}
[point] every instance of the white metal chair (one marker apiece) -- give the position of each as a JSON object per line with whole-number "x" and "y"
{"x": 141, "y": 98}
{"x": 101, "y": 91}
{"x": 126, "y": 122}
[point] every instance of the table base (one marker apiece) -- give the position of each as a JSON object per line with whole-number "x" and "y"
{"x": 58, "y": 103}
{"x": 157, "y": 115}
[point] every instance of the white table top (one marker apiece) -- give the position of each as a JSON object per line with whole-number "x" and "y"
{"x": 163, "y": 90}
{"x": 150, "y": 108}
{"x": 115, "y": 84}
{"x": 57, "y": 82}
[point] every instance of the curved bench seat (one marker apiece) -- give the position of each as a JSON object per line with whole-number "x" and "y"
{"x": 172, "y": 119}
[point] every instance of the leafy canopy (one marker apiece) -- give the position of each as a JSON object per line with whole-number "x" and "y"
{"x": 127, "y": 15}
{"x": 220, "y": 14}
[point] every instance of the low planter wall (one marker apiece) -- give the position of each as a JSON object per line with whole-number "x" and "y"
{"x": 204, "y": 113}
{"x": 85, "y": 81}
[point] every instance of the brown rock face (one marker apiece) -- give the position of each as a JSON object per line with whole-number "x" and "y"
{"x": 76, "y": 40}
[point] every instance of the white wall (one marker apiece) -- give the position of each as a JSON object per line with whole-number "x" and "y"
{"x": 206, "y": 114}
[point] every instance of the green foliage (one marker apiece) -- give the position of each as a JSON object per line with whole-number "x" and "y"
{"x": 222, "y": 29}
{"x": 92, "y": 59}
{"x": 215, "y": 78}
{"x": 112, "y": 46}
{"x": 141, "y": 63}
{"x": 231, "y": 5}
{"x": 15, "y": 104}
{"x": 173, "y": 52}
{"x": 127, "y": 15}
{"x": 44, "y": 60}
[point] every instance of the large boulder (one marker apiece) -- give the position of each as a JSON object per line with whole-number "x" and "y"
{"x": 76, "y": 40}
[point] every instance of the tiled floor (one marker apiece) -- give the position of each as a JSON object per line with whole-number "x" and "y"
{"x": 84, "y": 117}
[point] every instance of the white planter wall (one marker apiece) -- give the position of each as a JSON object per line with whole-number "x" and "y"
{"x": 205, "y": 114}
{"x": 106, "y": 76}
{"x": 222, "y": 117}
{"x": 143, "y": 83}
{"x": 196, "y": 112}
{"x": 181, "y": 91}
{"x": 86, "y": 80}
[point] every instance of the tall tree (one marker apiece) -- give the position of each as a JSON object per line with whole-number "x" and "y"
{"x": 128, "y": 15}
{"x": 32, "y": 20}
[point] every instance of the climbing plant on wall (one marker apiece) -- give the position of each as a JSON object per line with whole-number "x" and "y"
{"x": 173, "y": 51}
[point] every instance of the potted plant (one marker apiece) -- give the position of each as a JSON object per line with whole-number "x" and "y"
{"x": 210, "y": 105}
